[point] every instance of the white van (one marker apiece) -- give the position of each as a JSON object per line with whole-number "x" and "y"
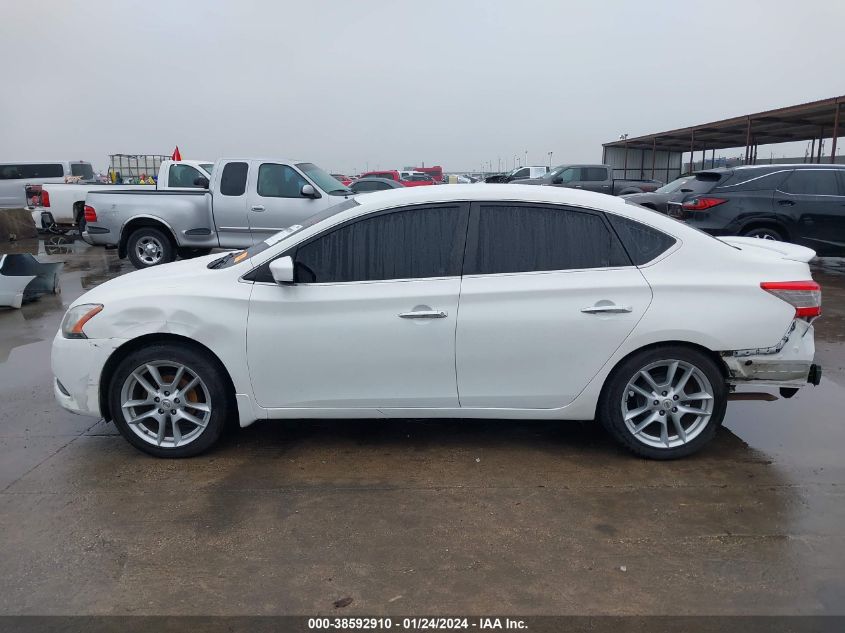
{"x": 14, "y": 177}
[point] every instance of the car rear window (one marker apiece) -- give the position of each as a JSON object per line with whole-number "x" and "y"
{"x": 642, "y": 242}
{"x": 82, "y": 169}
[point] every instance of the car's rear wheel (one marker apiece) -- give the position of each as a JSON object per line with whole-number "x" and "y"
{"x": 149, "y": 246}
{"x": 169, "y": 400}
{"x": 764, "y": 233}
{"x": 665, "y": 402}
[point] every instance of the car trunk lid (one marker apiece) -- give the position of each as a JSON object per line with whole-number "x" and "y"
{"x": 773, "y": 248}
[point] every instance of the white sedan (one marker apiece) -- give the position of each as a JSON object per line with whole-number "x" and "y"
{"x": 469, "y": 301}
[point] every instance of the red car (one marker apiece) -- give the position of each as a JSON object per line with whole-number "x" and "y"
{"x": 392, "y": 174}
{"x": 344, "y": 180}
{"x": 435, "y": 172}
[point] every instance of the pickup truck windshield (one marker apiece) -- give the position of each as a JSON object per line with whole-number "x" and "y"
{"x": 325, "y": 181}
{"x": 236, "y": 257}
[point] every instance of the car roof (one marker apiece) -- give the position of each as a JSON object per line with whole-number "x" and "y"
{"x": 771, "y": 167}
{"x": 492, "y": 192}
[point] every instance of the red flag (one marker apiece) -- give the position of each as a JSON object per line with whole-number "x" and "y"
{"x": 176, "y": 155}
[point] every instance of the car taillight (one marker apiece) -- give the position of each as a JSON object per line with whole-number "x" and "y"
{"x": 804, "y": 296}
{"x": 702, "y": 204}
{"x": 45, "y": 198}
{"x": 90, "y": 214}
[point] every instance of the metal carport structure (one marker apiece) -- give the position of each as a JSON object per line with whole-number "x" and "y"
{"x": 660, "y": 154}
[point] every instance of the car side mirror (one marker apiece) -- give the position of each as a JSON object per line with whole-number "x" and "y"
{"x": 308, "y": 191}
{"x": 201, "y": 181}
{"x": 282, "y": 270}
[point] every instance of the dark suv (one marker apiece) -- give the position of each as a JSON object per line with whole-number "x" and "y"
{"x": 802, "y": 203}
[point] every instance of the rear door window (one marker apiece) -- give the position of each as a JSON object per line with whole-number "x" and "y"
{"x": 233, "y": 179}
{"x": 812, "y": 182}
{"x": 751, "y": 180}
{"x": 509, "y": 238}
{"x": 593, "y": 174}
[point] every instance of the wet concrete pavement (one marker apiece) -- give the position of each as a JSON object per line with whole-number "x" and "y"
{"x": 415, "y": 516}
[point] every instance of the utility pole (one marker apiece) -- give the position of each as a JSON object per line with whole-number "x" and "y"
{"x": 550, "y": 159}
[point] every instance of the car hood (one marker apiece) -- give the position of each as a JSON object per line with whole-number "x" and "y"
{"x": 174, "y": 274}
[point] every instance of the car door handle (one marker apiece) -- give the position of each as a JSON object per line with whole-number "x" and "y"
{"x": 577, "y": 186}
{"x": 786, "y": 203}
{"x": 257, "y": 207}
{"x": 610, "y": 309}
{"x": 423, "y": 314}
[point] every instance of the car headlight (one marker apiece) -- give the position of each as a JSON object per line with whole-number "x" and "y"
{"x": 77, "y": 317}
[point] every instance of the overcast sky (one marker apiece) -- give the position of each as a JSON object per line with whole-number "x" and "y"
{"x": 384, "y": 83}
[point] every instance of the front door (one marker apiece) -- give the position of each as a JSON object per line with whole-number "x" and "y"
{"x": 548, "y": 295}
{"x": 276, "y": 201}
{"x": 369, "y": 322}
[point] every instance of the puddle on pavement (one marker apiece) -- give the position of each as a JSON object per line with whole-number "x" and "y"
{"x": 807, "y": 430}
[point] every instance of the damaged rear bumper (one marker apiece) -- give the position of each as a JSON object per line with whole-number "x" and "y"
{"x": 787, "y": 364}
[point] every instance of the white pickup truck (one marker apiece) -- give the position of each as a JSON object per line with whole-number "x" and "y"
{"x": 59, "y": 206}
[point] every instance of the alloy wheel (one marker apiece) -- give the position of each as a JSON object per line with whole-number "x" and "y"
{"x": 667, "y": 403}
{"x": 165, "y": 403}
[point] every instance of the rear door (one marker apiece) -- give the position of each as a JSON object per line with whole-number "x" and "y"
{"x": 229, "y": 205}
{"x": 548, "y": 295}
{"x": 814, "y": 198}
{"x": 595, "y": 179}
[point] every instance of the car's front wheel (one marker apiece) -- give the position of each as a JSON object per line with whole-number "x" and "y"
{"x": 169, "y": 400}
{"x": 665, "y": 402}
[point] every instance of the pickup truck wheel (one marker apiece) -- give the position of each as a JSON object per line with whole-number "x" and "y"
{"x": 149, "y": 246}
{"x": 665, "y": 402}
{"x": 189, "y": 253}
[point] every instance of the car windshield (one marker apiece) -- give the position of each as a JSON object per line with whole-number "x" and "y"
{"x": 207, "y": 167}
{"x": 673, "y": 186}
{"x": 236, "y": 257}
{"x": 324, "y": 180}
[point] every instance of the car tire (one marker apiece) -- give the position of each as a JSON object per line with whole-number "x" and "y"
{"x": 653, "y": 434}
{"x": 764, "y": 233}
{"x": 192, "y": 404}
{"x": 190, "y": 253}
{"x": 149, "y": 246}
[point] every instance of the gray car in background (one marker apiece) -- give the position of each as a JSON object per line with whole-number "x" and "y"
{"x": 367, "y": 185}
{"x": 597, "y": 178}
